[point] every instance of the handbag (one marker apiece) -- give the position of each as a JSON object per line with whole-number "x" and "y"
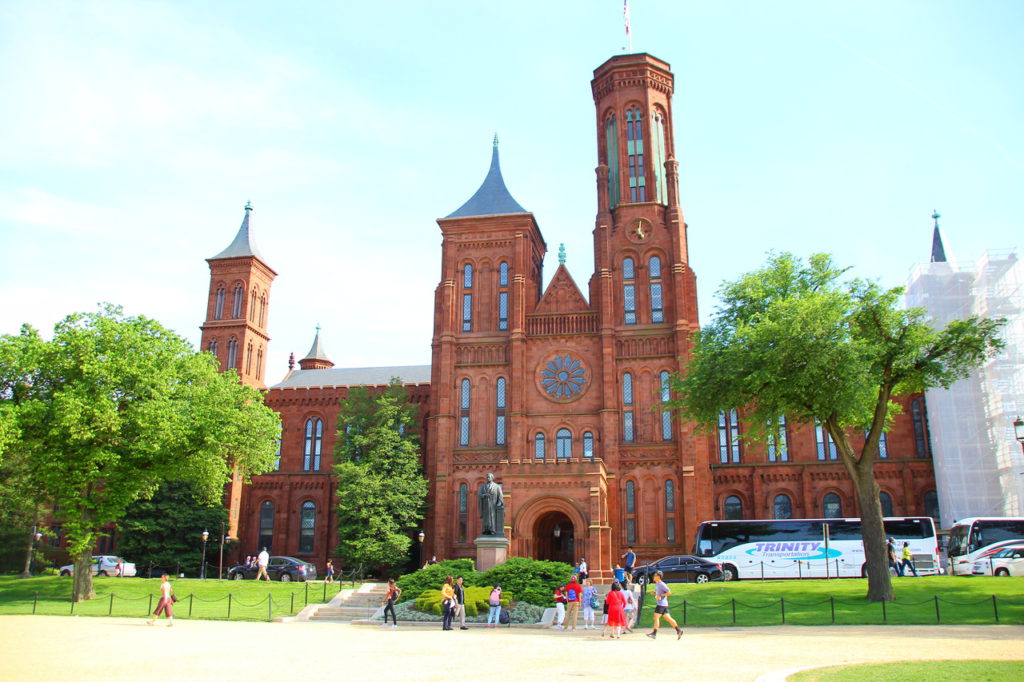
{"x": 174, "y": 598}
{"x": 594, "y": 603}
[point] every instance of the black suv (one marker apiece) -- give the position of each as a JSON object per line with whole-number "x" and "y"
{"x": 283, "y": 568}
{"x": 679, "y": 569}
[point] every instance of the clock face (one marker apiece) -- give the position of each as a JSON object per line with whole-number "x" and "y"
{"x": 639, "y": 230}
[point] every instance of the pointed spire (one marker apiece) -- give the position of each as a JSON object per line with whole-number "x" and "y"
{"x": 493, "y": 197}
{"x": 561, "y": 254}
{"x": 243, "y": 244}
{"x": 938, "y": 252}
{"x": 316, "y": 358}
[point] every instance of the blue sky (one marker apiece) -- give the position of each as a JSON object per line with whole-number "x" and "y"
{"x": 133, "y": 133}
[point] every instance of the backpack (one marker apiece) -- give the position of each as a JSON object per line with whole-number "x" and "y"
{"x": 571, "y": 594}
{"x": 504, "y": 618}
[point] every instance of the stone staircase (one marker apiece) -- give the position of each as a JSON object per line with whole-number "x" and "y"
{"x": 348, "y": 605}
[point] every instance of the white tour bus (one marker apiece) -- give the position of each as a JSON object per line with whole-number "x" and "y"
{"x": 975, "y": 538}
{"x": 799, "y": 548}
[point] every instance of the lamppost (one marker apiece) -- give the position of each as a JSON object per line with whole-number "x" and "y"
{"x": 223, "y": 538}
{"x": 1018, "y": 431}
{"x": 419, "y": 561}
{"x": 202, "y": 571}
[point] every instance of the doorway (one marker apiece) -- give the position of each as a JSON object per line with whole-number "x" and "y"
{"x": 555, "y": 538}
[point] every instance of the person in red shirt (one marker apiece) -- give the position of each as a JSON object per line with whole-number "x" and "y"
{"x": 573, "y": 593}
{"x": 559, "y": 608}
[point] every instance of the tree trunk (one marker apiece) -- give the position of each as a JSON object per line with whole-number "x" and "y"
{"x": 82, "y": 589}
{"x": 27, "y": 571}
{"x": 872, "y": 533}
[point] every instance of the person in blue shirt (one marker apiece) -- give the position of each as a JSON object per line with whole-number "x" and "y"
{"x": 620, "y": 574}
{"x": 630, "y": 558}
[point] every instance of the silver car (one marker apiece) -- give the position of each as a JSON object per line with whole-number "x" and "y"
{"x": 105, "y": 565}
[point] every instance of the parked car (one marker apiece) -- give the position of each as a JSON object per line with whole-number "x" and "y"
{"x": 1006, "y": 562}
{"x": 105, "y": 565}
{"x": 283, "y": 568}
{"x": 679, "y": 569}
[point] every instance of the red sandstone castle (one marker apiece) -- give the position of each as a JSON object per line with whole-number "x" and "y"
{"x": 560, "y": 395}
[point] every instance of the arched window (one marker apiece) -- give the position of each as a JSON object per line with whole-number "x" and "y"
{"x": 635, "y": 154}
{"x": 920, "y": 434}
{"x": 218, "y": 303}
{"x": 783, "y": 507}
{"x": 670, "y": 510}
{"x": 266, "y": 538}
{"x": 312, "y": 444}
{"x": 931, "y": 505}
{"x": 588, "y": 444}
{"x": 503, "y": 296}
{"x": 464, "y": 412}
{"x": 826, "y": 447}
{"x": 778, "y": 441}
{"x": 467, "y": 298}
{"x": 666, "y": 413}
{"x": 729, "y": 437}
{"x": 630, "y": 511}
{"x": 563, "y": 444}
{"x": 658, "y": 153}
{"x": 885, "y": 499}
{"x": 499, "y": 418}
{"x": 657, "y": 304}
{"x": 463, "y": 510}
{"x": 212, "y": 347}
{"x": 252, "y": 305}
{"x": 883, "y": 446}
{"x": 538, "y": 446}
{"x": 733, "y": 508}
{"x": 248, "y": 358}
{"x": 832, "y": 506}
{"x": 237, "y": 301}
{"x": 259, "y": 363}
{"x": 277, "y": 457}
{"x": 611, "y": 139}
{"x": 628, "y": 434}
{"x": 307, "y": 527}
{"x": 629, "y": 291}
{"x": 263, "y": 310}
{"x": 232, "y": 354}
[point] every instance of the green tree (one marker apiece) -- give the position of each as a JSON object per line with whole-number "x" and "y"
{"x": 381, "y": 488}
{"x": 112, "y": 407}
{"x": 166, "y": 530}
{"x": 803, "y": 341}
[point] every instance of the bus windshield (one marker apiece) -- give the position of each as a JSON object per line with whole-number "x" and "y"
{"x": 958, "y": 540}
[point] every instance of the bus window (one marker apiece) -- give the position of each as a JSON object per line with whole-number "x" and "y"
{"x": 908, "y": 528}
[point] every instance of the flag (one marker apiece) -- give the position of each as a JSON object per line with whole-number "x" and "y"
{"x": 625, "y": 18}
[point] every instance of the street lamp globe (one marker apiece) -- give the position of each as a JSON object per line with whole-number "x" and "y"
{"x": 206, "y": 535}
{"x": 421, "y": 536}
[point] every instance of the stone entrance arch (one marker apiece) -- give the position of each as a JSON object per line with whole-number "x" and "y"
{"x": 554, "y": 538}
{"x": 551, "y": 527}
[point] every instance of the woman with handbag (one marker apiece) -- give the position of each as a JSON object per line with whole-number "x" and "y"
{"x": 447, "y": 602}
{"x": 590, "y": 602}
{"x": 167, "y": 598}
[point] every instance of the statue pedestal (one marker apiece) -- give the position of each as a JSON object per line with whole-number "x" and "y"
{"x": 491, "y": 550}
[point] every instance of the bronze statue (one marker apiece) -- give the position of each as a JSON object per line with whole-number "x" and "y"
{"x": 492, "y": 508}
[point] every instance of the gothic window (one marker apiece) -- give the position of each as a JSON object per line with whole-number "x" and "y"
{"x": 538, "y": 446}
{"x": 467, "y": 276}
{"x": 629, "y": 291}
{"x": 266, "y": 538}
{"x": 666, "y": 413}
{"x": 307, "y": 527}
{"x": 588, "y": 444}
{"x": 657, "y": 302}
{"x": 777, "y": 442}
{"x": 464, "y": 412}
{"x": 635, "y": 154}
{"x": 832, "y": 506}
{"x": 312, "y": 444}
{"x": 259, "y": 363}
{"x": 248, "y": 358}
{"x": 783, "y": 507}
{"x": 729, "y": 437}
{"x": 463, "y": 510}
{"x": 611, "y": 138}
{"x": 931, "y": 505}
{"x": 237, "y": 301}
{"x": 659, "y": 152}
{"x": 733, "y": 508}
{"x": 503, "y": 296}
{"x": 232, "y": 354}
{"x": 885, "y": 499}
{"x": 499, "y": 418}
{"x": 883, "y": 446}
{"x": 218, "y": 303}
{"x": 826, "y": 447}
{"x": 630, "y": 511}
{"x": 252, "y": 305}
{"x": 920, "y": 436}
{"x": 212, "y": 347}
{"x": 563, "y": 444}
{"x": 263, "y": 310}
{"x": 670, "y": 510}
{"x": 628, "y": 434}
{"x": 277, "y": 457}
{"x": 467, "y": 298}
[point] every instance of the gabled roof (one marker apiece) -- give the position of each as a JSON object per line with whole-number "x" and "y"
{"x": 493, "y": 197}
{"x": 243, "y": 244}
{"x": 562, "y": 295}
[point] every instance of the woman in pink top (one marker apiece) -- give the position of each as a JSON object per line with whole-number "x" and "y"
{"x": 165, "y": 603}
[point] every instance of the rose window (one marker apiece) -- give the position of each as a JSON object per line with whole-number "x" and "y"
{"x": 563, "y": 377}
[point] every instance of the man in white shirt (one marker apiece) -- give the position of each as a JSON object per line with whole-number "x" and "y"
{"x": 262, "y": 561}
{"x": 584, "y": 574}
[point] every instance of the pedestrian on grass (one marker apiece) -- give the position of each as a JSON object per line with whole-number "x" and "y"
{"x": 894, "y": 563}
{"x": 166, "y": 601}
{"x": 460, "y": 603}
{"x": 559, "y": 608}
{"x": 661, "y": 595}
{"x": 261, "y": 561}
{"x": 573, "y": 597}
{"x": 589, "y": 602}
{"x": 330, "y": 572}
{"x": 494, "y": 601}
{"x": 447, "y": 602}
{"x": 390, "y": 599}
{"x": 616, "y": 610}
{"x": 908, "y": 560}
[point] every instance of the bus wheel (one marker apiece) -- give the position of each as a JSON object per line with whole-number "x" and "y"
{"x": 1002, "y": 572}
{"x": 729, "y": 573}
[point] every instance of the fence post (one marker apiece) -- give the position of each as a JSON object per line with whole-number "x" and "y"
{"x": 734, "y": 611}
{"x": 73, "y": 605}
{"x": 111, "y": 609}
{"x": 35, "y": 600}
{"x": 190, "y": 597}
{"x": 325, "y": 591}
{"x": 782, "y": 604}
{"x": 937, "y": 618}
{"x": 149, "y": 611}
{"x": 684, "y": 612}
{"x": 270, "y": 607}
{"x": 832, "y": 604}
{"x": 995, "y": 609}
{"x": 291, "y": 608}
{"x": 885, "y": 618}
{"x": 229, "y": 606}
{"x": 307, "y": 594}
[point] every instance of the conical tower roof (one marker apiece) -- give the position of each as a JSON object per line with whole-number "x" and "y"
{"x": 938, "y": 252}
{"x": 243, "y": 244}
{"x": 493, "y": 198}
{"x": 316, "y": 358}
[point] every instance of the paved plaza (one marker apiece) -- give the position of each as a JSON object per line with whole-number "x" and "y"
{"x": 55, "y": 647}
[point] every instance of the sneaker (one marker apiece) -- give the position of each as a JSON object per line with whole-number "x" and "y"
{"x": 652, "y": 635}
{"x": 463, "y": 628}
{"x": 383, "y": 625}
{"x": 679, "y": 633}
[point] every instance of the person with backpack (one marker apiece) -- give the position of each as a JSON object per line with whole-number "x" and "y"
{"x": 590, "y": 602}
{"x": 573, "y": 597}
{"x": 494, "y": 601}
{"x": 559, "y": 608}
{"x": 390, "y": 599}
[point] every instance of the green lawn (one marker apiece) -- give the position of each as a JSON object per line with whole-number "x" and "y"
{"x": 811, "y": 602}
{"x": 917, "y": 671}
{"x": 207, "y": 599}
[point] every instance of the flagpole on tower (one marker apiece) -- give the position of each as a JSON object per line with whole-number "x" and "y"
{"x": 625, "y": 18}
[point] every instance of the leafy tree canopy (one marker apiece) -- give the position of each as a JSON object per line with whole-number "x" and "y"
{"x": 113, "y": 406}
{"x": 801, "y": 340}
{"x": 381, "y": 488}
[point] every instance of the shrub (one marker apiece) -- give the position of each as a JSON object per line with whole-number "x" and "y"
{"x": 476, "y": 601}
{"x": 432, "y": 577}
{"x": 530, "y": 580}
